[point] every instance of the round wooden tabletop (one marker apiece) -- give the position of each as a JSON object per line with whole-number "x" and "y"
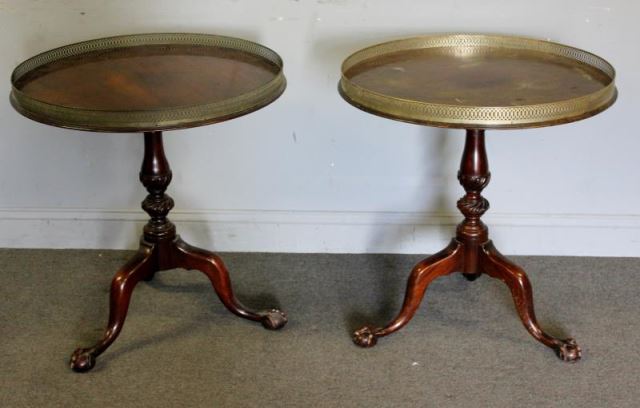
{"x": 147, "y": 82}
{"x": 478, "y": 81}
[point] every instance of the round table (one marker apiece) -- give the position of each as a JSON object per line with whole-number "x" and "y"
{"x": 476, "y": 82}
{"x": 150, "y": 83}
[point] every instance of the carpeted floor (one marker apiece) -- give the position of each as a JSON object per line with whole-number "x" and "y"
{"x": 181, "y": 348}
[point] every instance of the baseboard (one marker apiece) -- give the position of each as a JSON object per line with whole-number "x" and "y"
{"x": 316, "y": 231}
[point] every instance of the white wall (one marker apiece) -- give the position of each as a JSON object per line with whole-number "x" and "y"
{"x": 310, "y": 173}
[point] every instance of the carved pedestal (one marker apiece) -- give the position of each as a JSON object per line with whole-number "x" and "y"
{"x": 161, "y": 249}
{"x": 472, "y": 254}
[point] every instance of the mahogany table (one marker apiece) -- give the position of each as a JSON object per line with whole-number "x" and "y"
{"x": 150, "y": 83}
{"x": 476, "y": 82}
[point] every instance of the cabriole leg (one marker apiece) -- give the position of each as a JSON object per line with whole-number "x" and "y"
{"x": 83, "y": 359}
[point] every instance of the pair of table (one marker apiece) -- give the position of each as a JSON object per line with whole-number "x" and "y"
{"x": 156, "y": 82}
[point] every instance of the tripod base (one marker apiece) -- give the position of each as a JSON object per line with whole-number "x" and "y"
{"x": 472, "y": 254}
{"x": 161, "y": 249}
{"x": 457, "y": 257}
{"x": 153, "y": 257}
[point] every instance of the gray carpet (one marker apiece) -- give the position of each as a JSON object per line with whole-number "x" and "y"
{"x": 180, "y": 347}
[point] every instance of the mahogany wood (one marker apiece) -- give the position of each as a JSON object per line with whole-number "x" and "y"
{"x": 148, "y": 77}
{"x": 471, "y": 253}
{"x": 161, "y": 249}
{"x": 493, "y": 76}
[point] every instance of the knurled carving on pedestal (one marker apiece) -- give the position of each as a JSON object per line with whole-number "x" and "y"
{"x": 473, "y": 206}
{"x": 157, "y": 206}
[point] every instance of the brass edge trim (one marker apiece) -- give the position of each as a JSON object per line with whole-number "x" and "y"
{"x": 151, "y": 119}
{"x": 474, "y": 116}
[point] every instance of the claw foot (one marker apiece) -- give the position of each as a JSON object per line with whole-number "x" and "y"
{"x": 82, "y": 360}
{"x": 365, "y": 337}
{"x": 273, "y": 319}
{"x": 569, "y": 351}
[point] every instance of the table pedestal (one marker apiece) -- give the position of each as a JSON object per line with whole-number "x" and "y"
{"x": 161, "y": 249}
{"x": 471, "y": 253}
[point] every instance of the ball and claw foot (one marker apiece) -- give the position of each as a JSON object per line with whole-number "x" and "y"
{"x": 82, "y": 360}
{"x": 569, "y": 351}
{"x": 365, "y": 337}
{"x": 273, "y": 319}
